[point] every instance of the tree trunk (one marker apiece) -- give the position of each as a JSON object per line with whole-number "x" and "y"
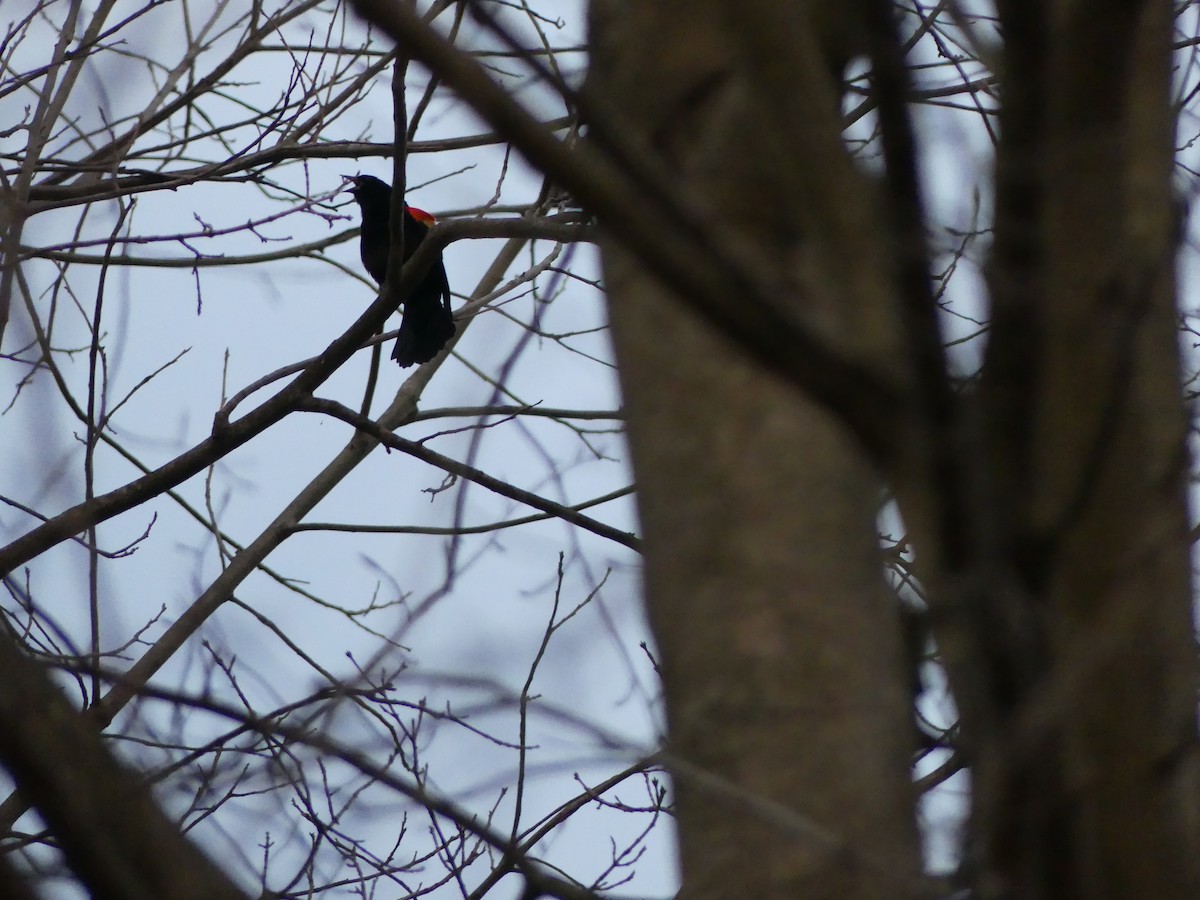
{"x": 778, "y": 639}
{"x": 1089, "y": 789}
{"x": 1047, "y": 507}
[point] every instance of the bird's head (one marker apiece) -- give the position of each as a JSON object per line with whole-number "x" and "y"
{"x": 368, "y": 188}
{"x": 372, "y": 192}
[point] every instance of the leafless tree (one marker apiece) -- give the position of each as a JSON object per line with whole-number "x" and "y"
{"x": 356, "y": 697}
{"x": 893, "y": 297}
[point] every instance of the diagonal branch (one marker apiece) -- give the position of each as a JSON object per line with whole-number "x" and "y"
{"x": 673, "y": 238}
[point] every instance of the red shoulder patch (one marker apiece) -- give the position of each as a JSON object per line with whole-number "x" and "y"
{"x": 421, "y": 216}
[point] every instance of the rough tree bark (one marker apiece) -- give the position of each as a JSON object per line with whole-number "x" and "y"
{"x": 1088, "y": 786}
{"x": 780, "y": 656}
{"x": 1047, "y": 507}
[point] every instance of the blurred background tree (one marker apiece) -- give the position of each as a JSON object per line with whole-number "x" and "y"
{"x": 895, "y": 318}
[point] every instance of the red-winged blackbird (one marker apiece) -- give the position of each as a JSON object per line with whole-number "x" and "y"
{"x": 427, "y": 323}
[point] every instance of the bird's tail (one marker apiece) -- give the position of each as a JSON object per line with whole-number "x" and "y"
{"x": 427, "y": 325}
{"x": 422, "y": 336}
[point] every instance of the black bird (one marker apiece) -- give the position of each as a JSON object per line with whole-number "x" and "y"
{"x": 427, "y": 323}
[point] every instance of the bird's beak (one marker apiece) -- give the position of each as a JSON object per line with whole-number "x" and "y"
{"x": 353, "y": 179}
